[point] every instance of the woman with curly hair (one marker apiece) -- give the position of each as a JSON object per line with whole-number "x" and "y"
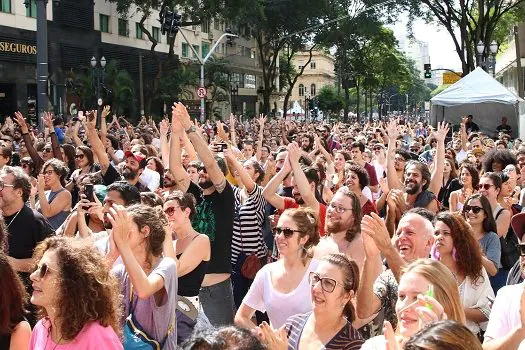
{"x": 54, "y": 204}
{"x": 339, "y": 176}
{"x": 77, "y": 295}
{"x": 281, "y": 288}
{"x": 497, "y": 159}
{"x": 15, "y": 331}
{"x": 148, "y": 280}
{"x": 469, "y": 179}
{"x": 456, "y": 247}
{"x": 356, "y": 180}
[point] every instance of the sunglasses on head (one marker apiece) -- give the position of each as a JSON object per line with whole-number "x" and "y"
{"x": 287, "y": 232}
{"x": 474, "y": 208}
{"x": 170, "y": 210}
{"x": 43, "y": 269}
{"x": 486, "y": 187}
{"x": 327, "y": 284}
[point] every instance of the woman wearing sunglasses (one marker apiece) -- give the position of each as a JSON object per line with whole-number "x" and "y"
{"x": 427, "y": 293}
{"x": 15, "y": 331}
{"x": 456, "y": 247}
{"x": 333, "y": 285}
{"x": 478, "y": 214}
{"x": 281, "y": 288}
{"x": 78, "y": 298}
{"x": 85, "y": 164}
{"x": 148, "y": 280}
{"x": 192, "y": 255}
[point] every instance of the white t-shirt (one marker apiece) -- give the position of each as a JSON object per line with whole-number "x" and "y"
{"x": 461, "y": 155}
{"x": 150, "y": 178}
{"x": 505, "y": 313}
{"x": 262, "y": 296}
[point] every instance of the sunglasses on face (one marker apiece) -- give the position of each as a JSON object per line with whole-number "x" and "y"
{"x": 474, "y": 208}
{"x": 287, "y": 232}
{"x": 170, "y": 210}
{"x": 43, "y": 270}
{"x": 521, "y": 248}
{"x": 46, "y": 150}
{"x": 327, "y": 284}
{"x": 79, "y": 156}
{"x": 486, "y": 187}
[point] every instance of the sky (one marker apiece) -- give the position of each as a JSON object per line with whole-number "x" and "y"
{"x": 440, "y": 44}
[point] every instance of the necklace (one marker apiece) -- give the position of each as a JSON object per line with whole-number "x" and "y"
{"x": 10, "y": 222}
{"x": 49, "y": 336}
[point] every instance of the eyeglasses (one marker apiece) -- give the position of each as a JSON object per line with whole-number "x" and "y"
{"x": 338, "y": 210}
{"x": 42, "y": 270}
{"x": 521, "y": 248}
{"x": 377, "y": 148}
{"x": 486, "y": 187}
{"x": 474, "y": 208}
{"x": 327, "y": 284}
{"x": 287, "y": 232}
{"x": 2, "y": 185}
{"x": 79, "y": 156}
{"x": 170, "y": 210}
{"x": 47, "y": 150}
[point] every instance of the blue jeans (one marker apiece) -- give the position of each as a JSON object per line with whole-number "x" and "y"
{"x": 217, "y": 302}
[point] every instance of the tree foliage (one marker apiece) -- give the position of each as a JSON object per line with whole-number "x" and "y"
{"x": 330, "y": 101}
{"x": 468, "y": 22}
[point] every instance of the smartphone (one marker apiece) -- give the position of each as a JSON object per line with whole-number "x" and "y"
{"x": 88, "y": 192}
{"x": 221, "y": 147}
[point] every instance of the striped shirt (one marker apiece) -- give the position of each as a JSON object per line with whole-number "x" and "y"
{"x": 348, "y": 338}
{"x": 248, "y": 222}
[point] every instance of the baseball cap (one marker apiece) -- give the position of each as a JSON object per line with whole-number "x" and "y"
{"x": 517, "y": 222}
{"x": 139, "y": 157}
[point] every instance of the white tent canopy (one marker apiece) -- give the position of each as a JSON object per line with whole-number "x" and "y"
{"x": 296, "y": 110}
{"x": 482, "y": 96}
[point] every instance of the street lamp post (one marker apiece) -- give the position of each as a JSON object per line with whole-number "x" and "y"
{"x": 42, "y": 70}
{"x": 488, "y": 64}
{"x": 234, "y": 92}
{"x": 99, "y": 72}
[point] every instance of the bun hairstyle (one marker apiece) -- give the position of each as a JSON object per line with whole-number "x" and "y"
{"x": 307, "y": 225}
{"x": 185, "y": 200}
{"x": 350, "y": 272}
{"x": 143, "y": 215}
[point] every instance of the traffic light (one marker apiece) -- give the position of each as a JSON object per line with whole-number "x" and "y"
{"x": 229, "y": 39}
{"x": 175, "y": 24}
{"x": 170, "y": 22}
{"x": 428, "y": 71}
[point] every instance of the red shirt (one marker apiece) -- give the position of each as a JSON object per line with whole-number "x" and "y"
{"x": 291, "y": 203}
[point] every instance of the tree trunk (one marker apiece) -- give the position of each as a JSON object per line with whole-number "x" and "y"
{"x": 357, "y": 87}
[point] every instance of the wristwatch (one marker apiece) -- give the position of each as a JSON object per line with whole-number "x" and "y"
{"x": 191, "y": 129}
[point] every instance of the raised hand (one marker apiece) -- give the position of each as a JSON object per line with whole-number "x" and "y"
{"x": 392, "y": 129}
{"x": 221, "y": 133}
{"x": 21, "y": 122}
{"x": 261, "y": 120}
{"x": 47, "y": 118}
{"x": 121, "y": 223}
{"x": 367, "y": 229}
{"x": 180, "y": 112}
{"x": 164, "y": 127}
{"x": 442, "y": 131}
{"x": 380, "y": 234}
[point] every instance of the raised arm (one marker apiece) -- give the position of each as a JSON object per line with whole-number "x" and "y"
{"x": 270, "y": 190}
{"x": 214, "y": 172}
{"x": 463, "y": 133}
{"x": 103, "y": 126}
{"x": 176, "y": 168}
{"x": 96, "y": 144}
{"x": 260, "y": 137}
{"x": 436, "y": 181}
{"x": 391, "y": 174}
{"x": 164, "y": 144}
{"x": 60, "y": 203}
{"x": 37, "y": 160}
{"x": 233, "y": 133}
{"x": 55, "y": 145}
{"x": 245, "y": 178}
{"x": 303, "y": 185}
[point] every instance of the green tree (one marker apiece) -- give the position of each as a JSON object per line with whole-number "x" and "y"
{"x": 468, "y": 22}
{"x": 330, "y": 100}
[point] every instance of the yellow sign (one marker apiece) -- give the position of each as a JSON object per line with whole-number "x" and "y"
{"x": 451, "y": 78}
{"x": 17, "y": 48}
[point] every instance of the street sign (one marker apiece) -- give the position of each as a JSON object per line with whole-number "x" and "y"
{"x": 451, "y": 78}
{"x": 201, "y": 92}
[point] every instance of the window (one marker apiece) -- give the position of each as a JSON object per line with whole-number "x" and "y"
{"x": 123, "y": 27}
{"x": 312, "y": 65}
{"x": 205, "y": 49}
{"x": 196, "y": 50}
{"x": 301, "y": 90}
{"x": 205, "y": 26}
{"x": 138, "y": 31}
{"x": 31, "y": 9}
{"x": 185, "y": 49}
{"x": 5, "y": 6}
{"x": 103, "y": 23}
{"x": 249, "y": 81}
{"x": 155, "y": 33}
{"x": 313, "y": 90}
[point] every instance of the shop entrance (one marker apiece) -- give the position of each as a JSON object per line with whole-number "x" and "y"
{"x": 7, "y": 100}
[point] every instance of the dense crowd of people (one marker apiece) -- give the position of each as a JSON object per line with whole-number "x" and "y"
{"x": 260, "y": 234}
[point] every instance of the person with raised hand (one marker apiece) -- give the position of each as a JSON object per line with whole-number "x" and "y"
{"x": 213, "y": 217}
{"x": 148, "y": 280}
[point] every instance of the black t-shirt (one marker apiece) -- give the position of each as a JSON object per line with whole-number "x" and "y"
{"x": 214, "y": 218}
{"x": 507, "y": 129}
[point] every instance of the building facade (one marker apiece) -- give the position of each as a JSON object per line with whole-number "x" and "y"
{"x": 506, "y": 62}
{"x": 320, "y": 72}
{"x": 81, "y": 29}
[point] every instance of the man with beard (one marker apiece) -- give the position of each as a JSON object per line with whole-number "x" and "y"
{"x": 307, "y": 142}
{"x": 377, "y": 293}
{"x": 135, "y": 161}
{"x": 327, "y": 139}
{"x": 213, "y": 216}
{"x": 304, "y": 183}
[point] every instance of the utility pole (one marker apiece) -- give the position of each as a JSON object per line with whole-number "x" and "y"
{"x": 518, "y": 62}
{"x": 141, "y": 86}
{"x": 42, "y": 71}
